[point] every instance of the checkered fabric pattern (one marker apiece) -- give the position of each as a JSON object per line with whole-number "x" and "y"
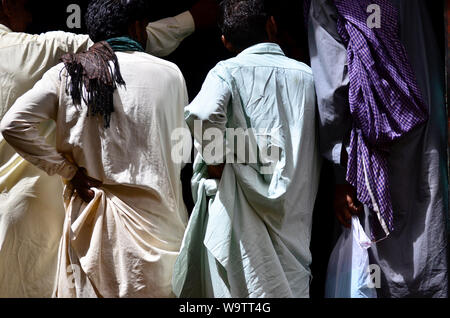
{"x": 385, "y": 101}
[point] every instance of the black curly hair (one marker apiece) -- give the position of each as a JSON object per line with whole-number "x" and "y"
{"x": 107, "y": 19}
{"x": 243, "y": 22}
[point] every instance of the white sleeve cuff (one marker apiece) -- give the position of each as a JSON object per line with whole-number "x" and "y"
{"x": 186, "y": 23}
{"x": 67, "y": 170}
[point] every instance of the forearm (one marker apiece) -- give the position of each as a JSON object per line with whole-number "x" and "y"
{"x": 206, "y": 117}
{"x": 165, "y": 35}
{"x": 20, "y": 128}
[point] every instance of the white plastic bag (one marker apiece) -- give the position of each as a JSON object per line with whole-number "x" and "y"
{"x": 348, "y": 269}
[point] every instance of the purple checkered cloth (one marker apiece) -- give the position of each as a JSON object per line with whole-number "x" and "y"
{"x": 385, "y": 101}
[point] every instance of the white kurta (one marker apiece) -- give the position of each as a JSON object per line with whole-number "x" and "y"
{"x": 31, "y": 211}
{"x": 125, "y": 242}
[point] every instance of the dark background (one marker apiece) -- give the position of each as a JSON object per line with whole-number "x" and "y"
{"x": 199, "y": 53}
{"x": 195, "y": 56}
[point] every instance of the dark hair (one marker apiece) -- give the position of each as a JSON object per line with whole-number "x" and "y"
{"x": 107, "y": 19}
{"x": 243, "y": 22}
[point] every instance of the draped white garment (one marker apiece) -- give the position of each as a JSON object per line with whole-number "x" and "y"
{"x": 126, "y": 240}
{"x": 249, "y": 233}
{"x": 31, "y": 205}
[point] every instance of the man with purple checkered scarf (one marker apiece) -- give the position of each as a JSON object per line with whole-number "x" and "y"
{"x": 382, "y": 124}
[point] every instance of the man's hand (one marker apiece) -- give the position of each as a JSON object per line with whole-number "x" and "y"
{"x": 215, "y": 172}
{"x": 346, "y": 204}
{"x": 83, "y": 184}
{"x": 205, "y": 13}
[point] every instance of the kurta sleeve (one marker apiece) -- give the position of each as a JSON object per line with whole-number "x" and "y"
{"x": 20, "y": 126}
{"x": 209, "y": 108}
{"x": 329, "y": 65}
{"x": 58, "y": 43}
{"x": 165, "y": 35}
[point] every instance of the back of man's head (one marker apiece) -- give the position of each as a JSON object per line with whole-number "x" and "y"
{"x": 243, "y": 22}
{"x": 107, "y": 19}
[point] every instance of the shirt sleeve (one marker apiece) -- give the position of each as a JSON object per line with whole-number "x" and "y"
{"x": 20, "y": 126}
{"x": 209, "y": 109}
{"x": 165, "y": 35}
{"x": 329, "y": 65}
{"x": 58, "y": 43}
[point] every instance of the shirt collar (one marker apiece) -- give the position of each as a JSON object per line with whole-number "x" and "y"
{"x": 4, "y": 28}
{"x": 264, "y": 48}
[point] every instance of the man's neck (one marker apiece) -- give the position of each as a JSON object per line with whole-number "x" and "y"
{"x": 262, "y": 42}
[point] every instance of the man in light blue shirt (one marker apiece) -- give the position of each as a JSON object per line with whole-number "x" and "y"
{"x": 256, "y": 175}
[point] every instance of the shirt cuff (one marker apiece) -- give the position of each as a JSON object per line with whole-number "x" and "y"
{"x": 186, "y": 22}
{"x": 67, "y": 170}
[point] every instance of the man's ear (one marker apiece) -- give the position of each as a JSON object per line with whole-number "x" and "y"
{"x": 141, "y": 30}
{"x": 132, "y": 30}
{"x": 272, "y": 29}
{"x": 227, "y": 44}
{"x": 137, "y": 31}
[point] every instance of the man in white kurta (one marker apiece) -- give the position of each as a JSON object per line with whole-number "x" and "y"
{"x": 125, "y": 241}
{"x": 31, "y": 208}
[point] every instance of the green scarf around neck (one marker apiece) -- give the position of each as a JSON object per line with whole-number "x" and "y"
{"x": 124, "y": 44}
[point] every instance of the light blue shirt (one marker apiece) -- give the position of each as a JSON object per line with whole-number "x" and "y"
{"x": 252, "y": 238}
